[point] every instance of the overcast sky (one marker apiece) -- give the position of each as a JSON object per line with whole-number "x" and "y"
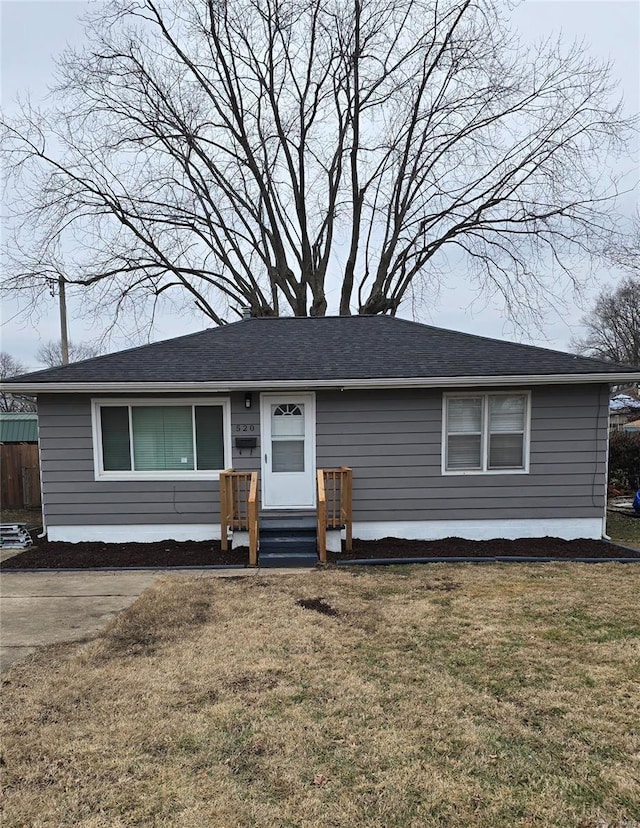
{"x": 33, "y": 32}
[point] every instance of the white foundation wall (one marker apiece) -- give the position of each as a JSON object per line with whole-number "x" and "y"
{"x": 135, "y": 533}
{"x": 565, "y": 528}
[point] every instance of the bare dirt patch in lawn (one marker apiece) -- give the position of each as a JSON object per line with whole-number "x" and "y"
{"x": 318, "y": 605}
{"x": 508, "y": 700}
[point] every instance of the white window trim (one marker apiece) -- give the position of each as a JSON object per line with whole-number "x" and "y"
{"x": 190, "y": 474}
{"x": 485, "y": 395}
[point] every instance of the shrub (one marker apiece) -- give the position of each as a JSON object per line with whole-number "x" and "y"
{"x": 624, "y": 460}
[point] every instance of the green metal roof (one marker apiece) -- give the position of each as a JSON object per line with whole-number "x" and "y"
{"x": 18, "y": 428}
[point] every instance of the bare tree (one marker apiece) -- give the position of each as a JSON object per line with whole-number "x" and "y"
{"x": 626, "y": 253}
{"x": 11, "y": 367}
{"x": 279, "y": 153}
{"x": 613, "y": 327}
{"x": 51, "y": 353}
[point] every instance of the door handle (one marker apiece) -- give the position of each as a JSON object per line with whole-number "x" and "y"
{"x": 265, "y": 459}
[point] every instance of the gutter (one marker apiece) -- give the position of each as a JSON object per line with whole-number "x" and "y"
{"x": 43, "y": 534}
{"x": 342, "y": 384}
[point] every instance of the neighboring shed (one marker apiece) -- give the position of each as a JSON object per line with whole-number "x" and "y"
{"x": 19, "y": 460}
{"x": 633, "y": 427}
{"x": 18, "y": 427}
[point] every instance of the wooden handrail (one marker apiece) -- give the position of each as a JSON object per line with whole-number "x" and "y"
{"x": 239, "y": 508}
{"x": 335, "y": 494}
{"x": 225, "y": 502}
{"x": 252, "y": 518}
{"x": 322, "y": 518}
{"x": 346, "y": 505}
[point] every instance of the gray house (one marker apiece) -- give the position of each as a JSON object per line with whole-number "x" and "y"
{"x": 446, "y": 434}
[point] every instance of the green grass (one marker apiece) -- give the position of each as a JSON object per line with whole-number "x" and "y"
{"x": 624, "y": 529}
{"x": 443, "y": 695}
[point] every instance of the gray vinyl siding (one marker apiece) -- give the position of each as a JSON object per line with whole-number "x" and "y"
{"x": 73, "y": 497}
{"x": 393, "y": 442}
{"x": 391, "y": 439}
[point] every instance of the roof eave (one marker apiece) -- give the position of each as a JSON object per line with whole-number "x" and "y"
{"x": 353, "y": 384}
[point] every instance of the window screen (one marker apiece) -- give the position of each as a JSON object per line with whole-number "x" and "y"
{"x": 464, "y": 446}
{"x": 506, "y": 432}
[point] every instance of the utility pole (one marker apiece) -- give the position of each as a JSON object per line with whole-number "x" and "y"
{"x": 64, "y": 333}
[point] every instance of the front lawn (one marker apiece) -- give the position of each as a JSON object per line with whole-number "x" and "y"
{"x": 442, "y": 695}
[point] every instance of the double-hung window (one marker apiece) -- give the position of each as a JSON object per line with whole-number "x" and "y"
{"x": 486, "y": 433}
{"x": 160, "y": 440}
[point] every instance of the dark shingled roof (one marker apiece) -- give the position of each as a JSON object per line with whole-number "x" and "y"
{"x": 322, "y": 348}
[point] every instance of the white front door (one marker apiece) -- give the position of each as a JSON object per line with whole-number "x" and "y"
{"x": 288, "y": 426}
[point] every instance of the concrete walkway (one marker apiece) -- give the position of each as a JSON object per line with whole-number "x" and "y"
{"x": 39, "y": 608}
{"x": 53, "y": 607}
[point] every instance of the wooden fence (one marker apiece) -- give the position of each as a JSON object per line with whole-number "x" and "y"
{"x": 20, "y": 476}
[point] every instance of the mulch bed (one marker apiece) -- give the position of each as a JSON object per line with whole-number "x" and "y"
{"x": 60, "y": 555}
{"x": 457, "y": 547}
{"x": 167, "y": 554}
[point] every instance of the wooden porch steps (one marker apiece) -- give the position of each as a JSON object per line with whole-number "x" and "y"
{"x": 288, "y": 540}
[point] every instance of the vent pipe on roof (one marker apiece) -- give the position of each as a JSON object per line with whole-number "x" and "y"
{"x": 246, "y": 312}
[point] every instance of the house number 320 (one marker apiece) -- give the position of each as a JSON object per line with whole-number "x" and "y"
{"x": 245, "y": 427}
